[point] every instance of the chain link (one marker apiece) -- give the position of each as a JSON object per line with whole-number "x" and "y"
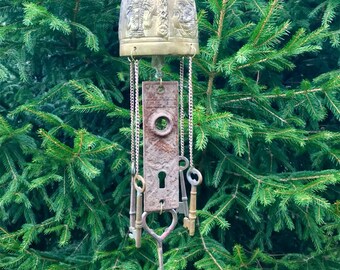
{"x": 181, "y": 104}
{"x": 137, "y": 117}
{"x": 190, "y": 113}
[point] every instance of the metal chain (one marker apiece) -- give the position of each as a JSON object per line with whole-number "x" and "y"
{"x": 181, "y": 104}
{"x": 190, "y": 113}
{"x": 132, "y": 112}
{"x": 137, "y": 117}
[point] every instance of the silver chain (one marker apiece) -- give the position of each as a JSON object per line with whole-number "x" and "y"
{"x": 132, "y": 112}
{"x": 137, "y": 117}
{"x": 181, "y": 104}
{"x": 190, "y": 113}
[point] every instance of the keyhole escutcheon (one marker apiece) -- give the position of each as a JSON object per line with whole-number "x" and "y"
{"x": 161, "y": 178}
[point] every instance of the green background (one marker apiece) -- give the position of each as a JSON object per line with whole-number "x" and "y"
{"x": 267, "y": 111}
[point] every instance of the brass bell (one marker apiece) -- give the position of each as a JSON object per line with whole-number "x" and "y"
{"x": 158, "y": 27}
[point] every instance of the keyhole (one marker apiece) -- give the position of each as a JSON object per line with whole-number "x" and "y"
{"x": 161, "y": 178}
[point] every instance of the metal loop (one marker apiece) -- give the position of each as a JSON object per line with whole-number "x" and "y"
{"x": 131, "y": 54}
{"x": 160, "y": 238}
{"x": 162, "y": 205}
{"x": 186, "y": 165}
{"x": 195, "y": 51}
{"x": 193, "y": 182}
{"x": 141, "y": 179}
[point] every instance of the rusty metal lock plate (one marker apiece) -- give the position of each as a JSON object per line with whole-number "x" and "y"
{"x": 160, "y": 134}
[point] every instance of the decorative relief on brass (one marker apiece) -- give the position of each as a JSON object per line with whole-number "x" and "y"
{"x": 144, "y": 24}
{"x": 163, "y": 18}
{"x": 160, "y": 134}
{"x": 134, "y": 19}
{"x": 139, "y": 15}
{"x": 184, "y": 18}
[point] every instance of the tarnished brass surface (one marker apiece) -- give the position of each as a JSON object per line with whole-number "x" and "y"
{"x": 158, "y": 27}
{"x": 189, "y": 222}
{"x": 160, "y": 134}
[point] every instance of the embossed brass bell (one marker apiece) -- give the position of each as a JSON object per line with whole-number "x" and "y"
{"x": 158, "y": 27}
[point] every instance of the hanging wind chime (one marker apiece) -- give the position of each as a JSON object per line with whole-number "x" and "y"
{"x": 159, "y": 28}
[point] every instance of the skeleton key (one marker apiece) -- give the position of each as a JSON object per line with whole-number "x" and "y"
{"x": 183, "y": 205}
{"x": 189, "y": 223}
{"x": 132, "y": 203}
{"x": 139, "y": 210}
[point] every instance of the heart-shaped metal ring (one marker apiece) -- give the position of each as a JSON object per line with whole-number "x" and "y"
{"x": 160, "y": 238}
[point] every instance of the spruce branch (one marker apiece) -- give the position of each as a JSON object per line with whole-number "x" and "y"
{"x": 273, "y": 96}
{"x": 212, "y": 74}
{"x": 206, "y": 249}
{"x": 260, "y": 29}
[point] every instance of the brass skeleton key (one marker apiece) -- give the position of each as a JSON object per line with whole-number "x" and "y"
{"x": 189, "y": 223}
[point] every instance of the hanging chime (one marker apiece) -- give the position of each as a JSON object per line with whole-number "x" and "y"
{"x": 159, "y": 28}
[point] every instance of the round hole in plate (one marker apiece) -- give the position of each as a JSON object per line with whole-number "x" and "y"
{"x": 162, "y": 123}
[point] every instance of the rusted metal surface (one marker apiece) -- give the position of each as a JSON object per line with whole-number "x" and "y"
{"x": 160, "y": 133}
{"x": 158, "y": 27}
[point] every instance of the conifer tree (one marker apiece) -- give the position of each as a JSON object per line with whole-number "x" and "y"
{"x": 267, "y": 138}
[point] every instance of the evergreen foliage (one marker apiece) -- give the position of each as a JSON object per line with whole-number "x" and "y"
{"x": 267, "y": 138}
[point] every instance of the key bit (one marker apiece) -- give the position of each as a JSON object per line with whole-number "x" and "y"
{"x": 180, "y": 209}
{"x": 132, "y": 232}
{"x": 189, "y": 223}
